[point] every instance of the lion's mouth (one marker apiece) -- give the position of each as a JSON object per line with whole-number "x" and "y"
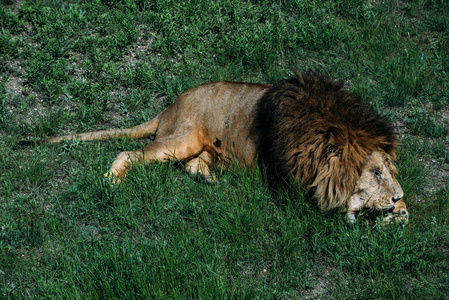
{"x": 373, "y": 213}
{"x": 389, "y": 210}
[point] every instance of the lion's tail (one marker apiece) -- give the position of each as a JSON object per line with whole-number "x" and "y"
{"x": 140, "y": 131}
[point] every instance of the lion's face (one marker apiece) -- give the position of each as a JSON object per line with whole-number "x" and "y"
{"x": 378, "y": 190}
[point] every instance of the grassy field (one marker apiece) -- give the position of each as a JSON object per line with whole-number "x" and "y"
{"x": 78, "y": 65}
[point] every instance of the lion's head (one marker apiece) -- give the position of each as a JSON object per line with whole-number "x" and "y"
{"x": 377, "y": 190}
{"x": 332, "y": 144}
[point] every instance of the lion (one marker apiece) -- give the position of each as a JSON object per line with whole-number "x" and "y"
{"x": 307, "y": 127}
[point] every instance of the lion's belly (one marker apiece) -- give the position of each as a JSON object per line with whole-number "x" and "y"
{"x": 241, "y": 151}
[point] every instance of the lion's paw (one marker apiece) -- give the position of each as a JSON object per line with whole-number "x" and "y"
{"x": 112, "y": 178}
{"x": 398, "y": 214}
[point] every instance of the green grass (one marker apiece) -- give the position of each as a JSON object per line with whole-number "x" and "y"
{"x": 86, "y": 65}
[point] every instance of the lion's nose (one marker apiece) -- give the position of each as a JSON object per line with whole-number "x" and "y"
{"x": 396, "y": 199}
{"x": 397, "y": 195}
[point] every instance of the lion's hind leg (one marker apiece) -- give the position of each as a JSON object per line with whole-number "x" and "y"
{"x": 201, "y": 164}
{"x": 181, "y": 148}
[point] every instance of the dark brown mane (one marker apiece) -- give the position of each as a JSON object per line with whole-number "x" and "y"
{"x": 313, "y": 130}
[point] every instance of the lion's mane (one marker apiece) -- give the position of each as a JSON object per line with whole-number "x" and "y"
{"x": 314, "y": 131}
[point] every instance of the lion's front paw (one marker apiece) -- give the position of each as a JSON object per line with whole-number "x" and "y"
{"x": 400, "y": 211}
{"x": 351, "y": 216}
{"x": 398, "y": 214}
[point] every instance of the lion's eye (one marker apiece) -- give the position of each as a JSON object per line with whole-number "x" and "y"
{"x": 377, "y": 173}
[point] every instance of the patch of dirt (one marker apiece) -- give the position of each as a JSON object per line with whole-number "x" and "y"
{"x": 436, "y": 168}
{"x": 437, "y": 171}
{"x": 142, "y": 50}
{"x": 322, "y": 288}
{"x": 14, "y": 86}
{"x": 445, "y": 114}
